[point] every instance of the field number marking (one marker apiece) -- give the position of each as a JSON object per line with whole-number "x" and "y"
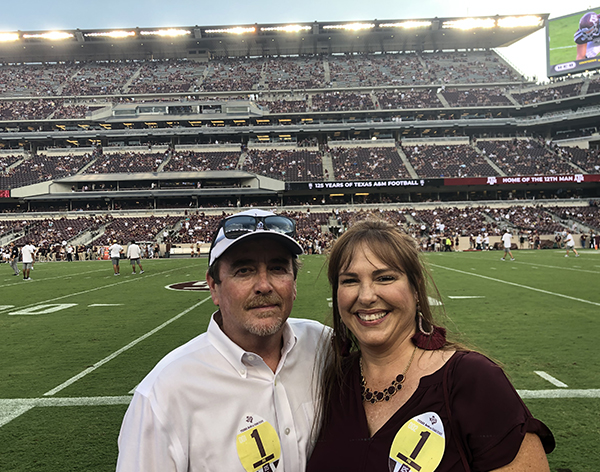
{"x": 43, "y": 309}
{"x": 550, "y": 379}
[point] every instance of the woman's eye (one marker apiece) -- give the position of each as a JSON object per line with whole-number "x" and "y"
{"x": 347, "y": 281}
{"x": 387, "y": 278}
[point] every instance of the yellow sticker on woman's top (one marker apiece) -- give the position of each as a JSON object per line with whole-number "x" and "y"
{"x": 257, "y": 444}
{"x": 419, "y": 445}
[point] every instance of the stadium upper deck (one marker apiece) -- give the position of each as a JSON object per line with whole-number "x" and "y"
{"x": 387, "y": 87}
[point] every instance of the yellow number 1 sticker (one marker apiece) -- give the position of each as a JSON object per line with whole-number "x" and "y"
{"x": 419, "y": 445}
{"x": 258, "y": 445}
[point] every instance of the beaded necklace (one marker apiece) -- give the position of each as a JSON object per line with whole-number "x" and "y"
{"x": 376, "y": 396}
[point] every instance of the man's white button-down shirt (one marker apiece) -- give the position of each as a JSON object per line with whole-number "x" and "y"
{"x": 211, "y": 406}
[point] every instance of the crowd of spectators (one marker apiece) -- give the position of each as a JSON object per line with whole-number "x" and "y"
{"x": 140, "y": 229}
{"x": 546, "y": 94}
{"x": 167, "y": 77}
{"x": 476, "y": 97}
{"x": 194, "y": 161}
{"x": 524, "y": 157}
{"x": 408, "y": 98}
{"x": 39, "y": 168}
{"x": 287, "y": 165}
{"x": 283, "y": 73}
{"x": 459, "y": 160}
{"x": 367, "y": 163}
{"x": 127, "y": 162}
{"x": 587, "y": 159}
{"x": 342, "y": 101}
{"x": 227, "y": 74}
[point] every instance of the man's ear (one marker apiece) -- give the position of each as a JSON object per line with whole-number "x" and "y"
{"x": 213, "y": 286}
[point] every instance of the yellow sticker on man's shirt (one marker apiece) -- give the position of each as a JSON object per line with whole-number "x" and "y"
{"x": 418, "y": 445}
{"x": 258, "y": 445}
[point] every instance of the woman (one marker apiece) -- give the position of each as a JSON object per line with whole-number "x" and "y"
{"x": 396, "y": 394}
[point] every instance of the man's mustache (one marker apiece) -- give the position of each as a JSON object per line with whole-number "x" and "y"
{"x": 262, "y": 301}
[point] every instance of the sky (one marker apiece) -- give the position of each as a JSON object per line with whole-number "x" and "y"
{"x": 33, "y": 15}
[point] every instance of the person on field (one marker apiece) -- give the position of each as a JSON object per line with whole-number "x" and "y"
{"x": 238, "y": 397}
{"x": 396, "y": 394}
{"x": 115, "y": 251}
{"x": 13, "y": 258}
{"x": 27, "y": 256}
{"x": 570, "y": 244}
{"x": 507, "y": 242}
{"x": 134, "y": 253}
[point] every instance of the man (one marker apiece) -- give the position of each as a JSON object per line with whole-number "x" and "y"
{"x": 570, "y": 243}
{"x": 238, "y": 397}
{"x": 587, "y": 37}
{"x": 27, "y": 256}
{"x": 13, "y": 258}
{"x": 115, "y": 256}
{"x": 507, "y": 240}
{"x": 134, "y": 254}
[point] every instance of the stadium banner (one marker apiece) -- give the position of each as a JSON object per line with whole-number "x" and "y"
{"x": 4, "y": 193}
{"x": 524, "y": 179}
{"x": 573, "y": 43}
{"x": 363, "y": 184}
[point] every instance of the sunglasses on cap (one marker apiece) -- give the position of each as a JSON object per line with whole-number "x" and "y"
{"x": 239, "y": 225}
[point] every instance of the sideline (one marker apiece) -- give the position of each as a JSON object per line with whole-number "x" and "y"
{"x": 121, "y": 351}
{"x": 517, "y": 285}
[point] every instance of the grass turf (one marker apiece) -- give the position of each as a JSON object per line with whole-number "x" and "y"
{"x": 534, "y": 314}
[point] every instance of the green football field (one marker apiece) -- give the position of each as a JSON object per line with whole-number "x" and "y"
{"x": 562, "y": 47}
{"x": 76, "y": 340}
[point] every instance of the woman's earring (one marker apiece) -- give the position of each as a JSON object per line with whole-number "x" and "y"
{"x": 432, "y": 340}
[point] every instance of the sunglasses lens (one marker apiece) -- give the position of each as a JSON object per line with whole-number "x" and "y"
{"x": 280, "y": 224}
{"x": 238, "y": 226}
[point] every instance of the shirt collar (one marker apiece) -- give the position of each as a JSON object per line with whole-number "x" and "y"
{"x": 239, "y": 357}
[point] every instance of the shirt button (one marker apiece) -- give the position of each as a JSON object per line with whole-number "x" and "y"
{"x": 243, "y": 371}
{"x": 287, "y": 431}
{"x": 250, "y": 358}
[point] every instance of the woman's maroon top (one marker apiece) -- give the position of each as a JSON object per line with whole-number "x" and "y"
{"x": 489, "y": 419}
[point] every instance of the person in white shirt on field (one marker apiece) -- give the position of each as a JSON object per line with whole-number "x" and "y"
{"x": 27, "y": 255}
{"x": 570, "y": 243}
{"x": 238, "y": 397}
{"x": 134, "y": 253}
{"x": 115, "y": 256}
{"x": 507, "y": 240}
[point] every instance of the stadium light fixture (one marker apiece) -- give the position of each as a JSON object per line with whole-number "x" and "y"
{"x": 287, "y": 28}
{"x": 351, "y": 26}
{"x": 170, "y": 33}
{"x": 111, "y": 34}
{"x": 236, "y": 30}
{"x": 470, "y": 23}
{"x": 6, "y": 37}
{"x": 520, "y": 21}
{"x": 407, "y": 24}
{"x": 51, "y": 35}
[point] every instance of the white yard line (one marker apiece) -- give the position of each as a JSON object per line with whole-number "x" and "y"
{"x": 518, "y": 285}
{"x": 465, "y": 297}
{"x": 551, "y": 379}
{"x": 121, "y": 351}
{"x": 561, "y": 393}
{"x": 20, "y": 279}
{"x": 575, "y": 269}
{"x": 94, "y": 289}
{"x": 13, "y": 408}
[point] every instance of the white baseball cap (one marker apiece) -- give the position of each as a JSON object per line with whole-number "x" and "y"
{"x": 254, "y": 223}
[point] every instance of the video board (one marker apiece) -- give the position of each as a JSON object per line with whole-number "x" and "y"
{"x": 573, "y": 43}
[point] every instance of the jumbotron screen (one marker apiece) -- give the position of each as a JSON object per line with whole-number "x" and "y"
{"x": 573, "y": 43}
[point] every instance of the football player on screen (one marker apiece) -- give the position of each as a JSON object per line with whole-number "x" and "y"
{"x": 587, "y": 36}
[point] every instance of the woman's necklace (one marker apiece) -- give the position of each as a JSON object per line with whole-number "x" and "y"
{"x": 389, "y": 392}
